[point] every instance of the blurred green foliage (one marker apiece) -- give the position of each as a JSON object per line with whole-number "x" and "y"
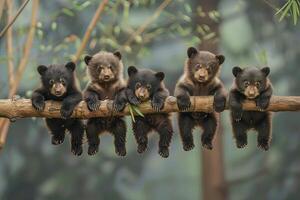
{"x": 250, "y": 34}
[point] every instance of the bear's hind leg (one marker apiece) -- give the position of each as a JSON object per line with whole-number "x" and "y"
{"x": 119, "y": 132}
{"x": 76, "y": 131}
{"x": 240, "y": 133}
{"x": 264, "y": 133}
{"x": 57, "y": 130}
{"x": 92, "y": 130}
{"x": 140, "y": 130}
{"x": 165, "y": 132}
{"x": 209, "y": 125}
{"x": 186, "y": 125}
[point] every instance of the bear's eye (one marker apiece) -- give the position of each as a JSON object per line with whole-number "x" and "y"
{"x": 51, "y": 82}
{"x": 138, "y": 85}
{"x": 246, "y": 83}
{"x": 257, "y": 84}
{"x": 148, "y": 86}
{"x": 197, "y": 66}
{"x": 62, "y": 81}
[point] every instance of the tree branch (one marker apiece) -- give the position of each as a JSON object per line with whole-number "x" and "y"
{"x": 9, "y": 45}
{"x": 89, "y": 30}
{"x": 14, "y": 19}
{"x": 21, "y": 108}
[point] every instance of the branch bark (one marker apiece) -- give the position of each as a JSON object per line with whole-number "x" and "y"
{"x": 21, "y": 108}
{"x": 89, "y": 30}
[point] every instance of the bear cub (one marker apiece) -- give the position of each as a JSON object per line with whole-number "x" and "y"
{"x": 200, "y": 78}
{"x": 105, "y": 70}
{"x": 144, "y": 85}
{"x": 58, "y": 83}
{"x": 251, "y": 84}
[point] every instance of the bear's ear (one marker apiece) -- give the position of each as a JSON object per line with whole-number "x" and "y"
{"x": 42, "y": 69}
{"x": 265, "y": 71}
{"x": 71, "y": 66}
{"x": 220, "y": 58}
{"x": 118, "y": 54}
{"x": 87, "y": 59}
{"x": 132, "y": 70}
{"x": 191, "y": 51}
{"x": 160, "y": 75}
{"x": 236, "y": 70}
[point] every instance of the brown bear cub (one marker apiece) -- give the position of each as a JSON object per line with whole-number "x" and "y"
{"x": 58, "y": 83}
{"x": 144, "y": 85}
{"x": 105, "y": 70}
{"x": 200, "y": 78}
{"x": 251, "y": 84}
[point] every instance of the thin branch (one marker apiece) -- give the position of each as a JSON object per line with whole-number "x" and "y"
{"x": 24, "y": 60}
{"x": 14, "y": 19}
{"x": 21, "y": 108}
{"x": 9, "y": 45}
{"x": 143, "y": 27}
{"x": 89, "y": 30}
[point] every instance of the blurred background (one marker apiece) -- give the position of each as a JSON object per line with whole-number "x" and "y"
{"x": 152, "y": 34}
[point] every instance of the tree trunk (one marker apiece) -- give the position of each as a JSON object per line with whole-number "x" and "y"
{"x": 213, "y": 172}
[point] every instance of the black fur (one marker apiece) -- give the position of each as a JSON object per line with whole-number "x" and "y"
{"x": 98, "y": 90}
{"x": 69, "y": 99}
{"x": 158, "y": 122}
{"x": 242, "y": 120}
{"x": 188, "y": 86}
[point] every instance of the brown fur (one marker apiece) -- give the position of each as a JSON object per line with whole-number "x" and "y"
{"x": 100, "y": 88}
{"x": 200, "y": 78}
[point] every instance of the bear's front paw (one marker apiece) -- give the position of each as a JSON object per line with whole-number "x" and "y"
{"x": 93, "y": 104}
{"x": 262, "y": 104}
{"x": 38, "y": 104}
{"x": 163, "y": 152}
{"x": 76, "y": 149}
{"x": 66, "y": 112}
{"x": 93, "y": 149}
{"x": 157, "y": 104}
{"x": 207, "y": 142}
{"x": 118, "y": 106}
{"x": 219, "y": 103}
{"x": 57, "y": 139}
{"x": 183, "y": 102}
{"x": 134, "y": 100}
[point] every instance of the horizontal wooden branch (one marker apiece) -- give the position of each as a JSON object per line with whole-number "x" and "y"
{"x": 21, "y": 108}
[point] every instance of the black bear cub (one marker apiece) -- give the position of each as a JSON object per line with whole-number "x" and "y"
{"x": 251, "y": 84}
{"x": 105, "y": 70}
{"x": 200, "y": 78}
{"x": 58, "y": 83}
{"x": 144, "y": 85}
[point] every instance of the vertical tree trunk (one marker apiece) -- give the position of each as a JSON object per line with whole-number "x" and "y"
{"x": 213, "y": 173}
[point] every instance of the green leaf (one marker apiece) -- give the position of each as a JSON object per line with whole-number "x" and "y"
{"x": 131, "y": 112}
{"x": 137, "y": 110}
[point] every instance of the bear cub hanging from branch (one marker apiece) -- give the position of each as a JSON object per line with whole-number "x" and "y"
{"x": 251, "y": 84}
{"x": 200, "y": 78}
{"x": 58, "y": 83}
{"x": 105, "y": 70}
{"x": 144, "y": 85}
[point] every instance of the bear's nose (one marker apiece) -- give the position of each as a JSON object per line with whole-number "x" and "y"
{"x": 106, "y": 76}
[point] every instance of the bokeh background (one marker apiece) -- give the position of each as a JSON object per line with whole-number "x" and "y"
{"x": 153, "y": 34}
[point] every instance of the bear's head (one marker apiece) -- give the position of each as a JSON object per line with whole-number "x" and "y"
{"x": 104, "y": 67}
{"x": 202, "y": 66}
{"x": 57, "y": 78}
{"x": 144, "y": 82}
{"x": 251, "y": 81}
